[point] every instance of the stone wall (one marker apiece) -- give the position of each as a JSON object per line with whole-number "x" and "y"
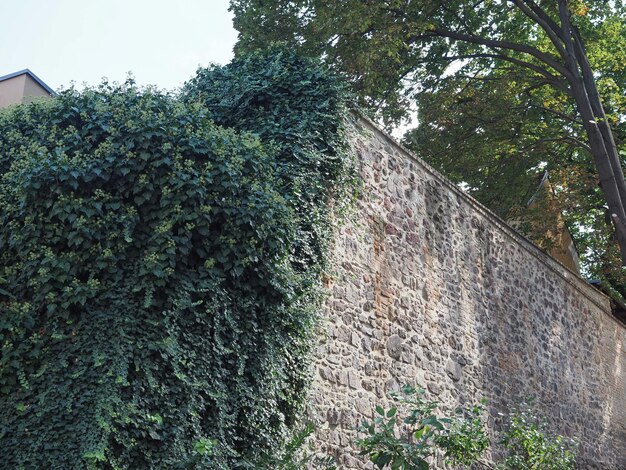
{"x": 432, "y": 289}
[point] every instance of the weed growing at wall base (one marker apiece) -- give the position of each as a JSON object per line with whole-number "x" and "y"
{"x": 531, "y": 445}
{"x": 460, "y": 439}
{"x": 415, "y": 437}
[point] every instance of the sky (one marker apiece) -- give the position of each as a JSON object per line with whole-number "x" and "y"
{"x": 159, "y": 42}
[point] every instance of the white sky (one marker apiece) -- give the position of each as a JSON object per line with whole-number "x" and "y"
{"x": 160, "y": 42}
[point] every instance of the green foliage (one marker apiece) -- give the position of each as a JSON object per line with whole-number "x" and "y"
{"x": 160, "y": 272}
{"x": 410, "y": 436}
{"x": 504, "y": 141}
{"x": 295, "y": 455}
{"x": 275, "y": 95}
{"x": 423, "y": 435}
{"x": 489, "y": 117}
{"x": 532, "y": 446}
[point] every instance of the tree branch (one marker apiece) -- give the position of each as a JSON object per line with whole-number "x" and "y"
{"x": 553, "y": 25}
{"x": 565, "y": 138}
{"x": 553, "y": 79}
{"x": 601, "y": 156}
{"x": 598, "y": 110}
{"x": 496, "y": 44}
{"x": 557, "y": 113}
{"x": 545, "y": 22}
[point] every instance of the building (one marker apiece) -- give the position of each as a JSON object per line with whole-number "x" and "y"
{"x": 543, "y": 223}
{"x": 22, "y": 87}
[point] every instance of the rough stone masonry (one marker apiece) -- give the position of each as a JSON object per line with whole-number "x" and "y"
{"x": 432, "y": 289}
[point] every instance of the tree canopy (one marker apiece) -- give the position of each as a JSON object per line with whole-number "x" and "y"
{"x": 504, "y": 89}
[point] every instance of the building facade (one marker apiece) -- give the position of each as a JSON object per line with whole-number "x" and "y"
{"x": 22, "y": 87}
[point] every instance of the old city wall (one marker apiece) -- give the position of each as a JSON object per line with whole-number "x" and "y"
{"x": 432, "y": 289}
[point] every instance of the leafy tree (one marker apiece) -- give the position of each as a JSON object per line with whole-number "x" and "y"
{"x": 503, "y": 141}
{"x": 560, "y": 56}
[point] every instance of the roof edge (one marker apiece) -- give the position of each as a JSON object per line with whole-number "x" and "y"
{"x": 39, "y": 81}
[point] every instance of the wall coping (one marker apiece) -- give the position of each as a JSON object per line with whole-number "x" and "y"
{"x": 597, "y": 297}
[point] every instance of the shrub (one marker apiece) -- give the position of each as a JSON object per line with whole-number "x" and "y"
{"x": 413, "y": 439}
{"x": 461, "y": 440}
{"x": 159, "y": 278}
{"x": 531, "y": 445}
{"x": 295, "y": 455}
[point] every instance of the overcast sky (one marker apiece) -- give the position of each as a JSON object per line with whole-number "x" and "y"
{"x": 160, "y": 42}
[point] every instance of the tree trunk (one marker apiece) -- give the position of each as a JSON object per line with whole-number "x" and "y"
{"x": 608, "y": 184}
{"x": 598, "y": 110}
{"x": 589, "y": 104}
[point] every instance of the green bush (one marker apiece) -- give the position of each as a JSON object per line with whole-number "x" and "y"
{"x": 531, "y": 445}
{"x": 296, "y": 454}
{"x": 159, "y": 278}
{"x": 411, "y": 439}
{"x": 411, "y": 436}
{"x": 301, "y": 111}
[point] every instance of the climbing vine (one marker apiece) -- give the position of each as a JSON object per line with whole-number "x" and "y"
{"x": 160, "y": 265}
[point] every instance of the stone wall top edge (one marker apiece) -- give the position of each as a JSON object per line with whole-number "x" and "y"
{"x": 600, "y": 299}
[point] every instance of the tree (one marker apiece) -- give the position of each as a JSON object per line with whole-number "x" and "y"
{"x": 395, "y": 50}
{"x": 503, "y": 141}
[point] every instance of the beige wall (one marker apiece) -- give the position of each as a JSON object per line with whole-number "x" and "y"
{"x": 432, "y": 289}
{"x": 20, "y": 89}
{"x": 12, "y": 90}
{"x": 547, "y": 227}
{"x": 32, "y": 90}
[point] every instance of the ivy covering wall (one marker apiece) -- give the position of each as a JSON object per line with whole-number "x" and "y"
{"x": 160, "y": 265}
